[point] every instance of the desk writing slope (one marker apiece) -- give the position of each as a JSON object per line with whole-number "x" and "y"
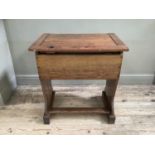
{"x": 78, "y": 43}
{"x": 79, "y": 56}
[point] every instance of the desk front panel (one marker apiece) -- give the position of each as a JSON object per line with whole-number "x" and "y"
{"x": 78, "y": 66}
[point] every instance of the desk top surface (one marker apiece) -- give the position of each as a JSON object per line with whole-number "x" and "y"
{"x": 78, "y": 43}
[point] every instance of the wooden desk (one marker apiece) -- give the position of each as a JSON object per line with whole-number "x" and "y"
{"x": 79, "y": 56}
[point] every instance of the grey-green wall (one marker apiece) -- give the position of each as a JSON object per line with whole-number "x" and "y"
{"x": 7, "y": 75}
{"x": 139, "y": 63}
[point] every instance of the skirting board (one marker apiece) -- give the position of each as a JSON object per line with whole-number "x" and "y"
{"x": 127, "y": 79}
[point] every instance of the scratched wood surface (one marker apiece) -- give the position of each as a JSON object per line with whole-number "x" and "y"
{"x": 134, "y": 106}
{"x": 77, "y": 43}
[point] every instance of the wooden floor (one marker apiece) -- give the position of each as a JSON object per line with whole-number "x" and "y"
{"x": 134, "y": 108}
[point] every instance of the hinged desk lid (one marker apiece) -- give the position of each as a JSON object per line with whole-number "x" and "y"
{"x": 78, "y": 43}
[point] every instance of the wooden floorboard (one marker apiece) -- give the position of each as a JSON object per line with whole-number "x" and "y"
{"x": 134, "y": 107}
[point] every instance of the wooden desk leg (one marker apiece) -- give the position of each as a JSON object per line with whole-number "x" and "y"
{"x": 110, "y": 89}
{"x": 48, "y": 94}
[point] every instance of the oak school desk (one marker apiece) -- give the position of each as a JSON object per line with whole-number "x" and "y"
{"x": 79, "y": 56}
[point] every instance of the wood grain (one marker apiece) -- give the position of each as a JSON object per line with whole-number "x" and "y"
{"x": 78, "y": 66}
{"x": 78, "y": 43}
{"x": 110, "y": 90}
{"x": 48, "y": 94}
{"x": 79, "y": 110}
{"x": 38, "y": 42}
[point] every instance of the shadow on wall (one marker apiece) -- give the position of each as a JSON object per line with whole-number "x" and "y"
{"x": 6, "y": 89}
{"x": 154, "y": 79}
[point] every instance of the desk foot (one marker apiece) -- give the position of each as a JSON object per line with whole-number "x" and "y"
{"x": 46, "y": 119}
{"x": 111, "y": 119}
